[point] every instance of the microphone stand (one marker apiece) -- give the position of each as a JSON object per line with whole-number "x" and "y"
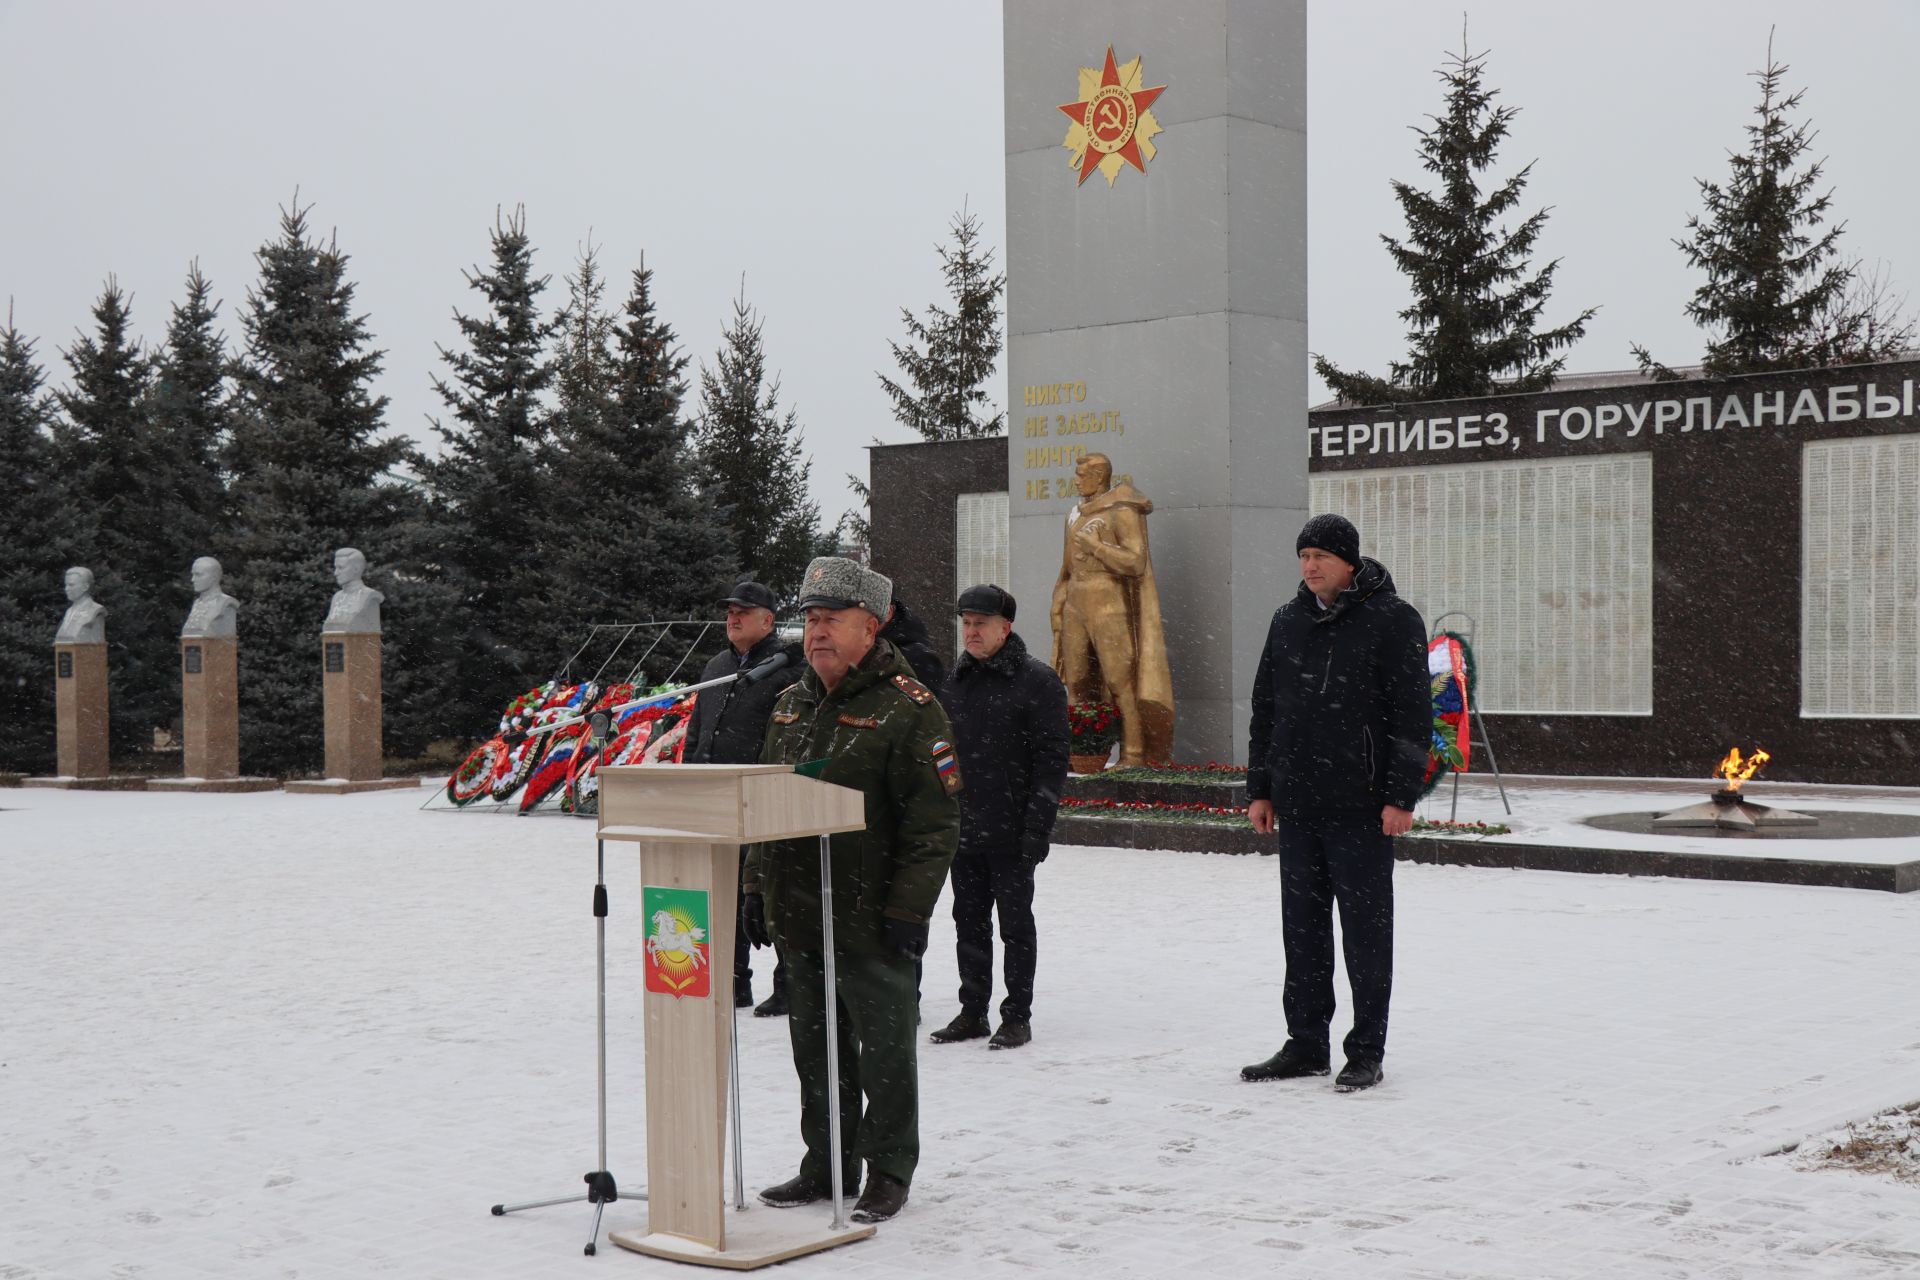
{"x": 601, "y": 1188}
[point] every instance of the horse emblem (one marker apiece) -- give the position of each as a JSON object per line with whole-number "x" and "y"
{"x": 678, "y": 951}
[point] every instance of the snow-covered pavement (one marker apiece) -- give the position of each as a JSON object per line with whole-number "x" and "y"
{"x": 308, "y": 1036}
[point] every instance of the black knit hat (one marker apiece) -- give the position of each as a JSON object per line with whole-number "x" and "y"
{"x": 1331, "y": 533}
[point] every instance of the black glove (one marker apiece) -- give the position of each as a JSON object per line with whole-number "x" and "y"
{"x": 753, "y": 918}
{"x": 1034, "y": 847}
{"x": 906, "y": 937}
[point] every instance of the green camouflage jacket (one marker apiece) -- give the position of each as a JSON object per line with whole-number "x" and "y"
{"x": 882, "y": 733}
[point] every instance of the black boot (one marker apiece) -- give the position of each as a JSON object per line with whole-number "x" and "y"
{"x": 883, "y": 1198}
{"x": 800, "y": 1190}
{"x": 1359, "y": 1073}
{"x": 774, "y": 1006}
{"x": 742, "y": 994}
{"x": 1291, "y": 1063}
{"x": 966, "y": 1026}
{"x": 1011, "y": 1035}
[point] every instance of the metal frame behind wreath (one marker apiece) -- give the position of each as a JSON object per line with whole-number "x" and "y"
{"x": 1475, "y": 721}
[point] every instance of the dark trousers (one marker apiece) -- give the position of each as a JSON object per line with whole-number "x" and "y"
{"x": 743, "y": 950}
{"x": 986, "y": 881}
{"x": 1325, "y": 859}
{"x": 879, "y": 1073}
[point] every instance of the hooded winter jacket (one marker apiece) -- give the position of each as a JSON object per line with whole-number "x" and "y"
{"x": 729, "y": 723}
{"x": 1009, "y": 717}
{"x": 1342, "y": 711}
{"x": 908, "y": 634}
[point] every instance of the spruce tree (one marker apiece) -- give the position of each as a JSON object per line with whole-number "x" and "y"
{"x": 310, "y": 473}
{"x": 949, "y": 358}
{"x": 119, "y": 476}
{"x": 36, "y": 531}
{"x": 634, "y": 539}
{"x": 751, "y": 463}
{"x": 1772, "y": 283}
{"x": 188, "y": 412}
{"x": 489, "y": 489}
{"x": 1477, "y": 301}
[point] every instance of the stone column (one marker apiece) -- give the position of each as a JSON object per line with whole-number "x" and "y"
{"x": 210, "y": 707}
{"x": 350, "y": 675}
{"x": 80, "y": 709}
{"x": 1161, "y": 317}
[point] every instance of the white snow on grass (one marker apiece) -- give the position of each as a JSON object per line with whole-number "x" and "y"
{"x": 316, "y": 1036}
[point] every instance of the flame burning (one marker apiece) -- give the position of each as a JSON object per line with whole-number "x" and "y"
{"x": 1736, "y": 771}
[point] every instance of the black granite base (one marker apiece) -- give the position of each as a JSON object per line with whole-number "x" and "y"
{"x": 1123, "y": 833}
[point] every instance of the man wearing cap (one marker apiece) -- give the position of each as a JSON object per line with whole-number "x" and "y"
{"x": 729, "y": 725}
{"x": 879, "y": 731}
{"x": 1342, "y": 722}
{"x": 1009, "y": 714}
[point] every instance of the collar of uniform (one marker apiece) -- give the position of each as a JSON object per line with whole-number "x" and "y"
{"x": 879, "y": 663}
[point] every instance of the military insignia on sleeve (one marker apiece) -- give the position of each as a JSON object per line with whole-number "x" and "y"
{"x": 914, "y": 689}
{"x": 785, "y": 717}
{"x": 859, "y": 722}
{"x": 945, "y": 765}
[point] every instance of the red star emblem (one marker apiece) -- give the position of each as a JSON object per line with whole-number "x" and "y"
{"x": 1110, "y": 117}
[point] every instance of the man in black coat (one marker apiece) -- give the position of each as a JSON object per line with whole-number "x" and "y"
{"x": 909, "y": 635}
{"x": 1009, "y": 715}
{"x": 1342, "y": 723}
{"x": 729, "y": 725}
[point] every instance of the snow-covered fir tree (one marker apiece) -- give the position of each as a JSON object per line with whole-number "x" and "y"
{"x": 311, "y": 472}
{"x": 489, "y": 491}
{"x": 118, "y": 472}
{"x": 1478, "y": 303}
{"x": 633, "y": 539}
{"x": 36, "y": 530}
{"x": 948, "y": 359}
{"x": 1775, "y": 295}
{"x": 751, "y": 460}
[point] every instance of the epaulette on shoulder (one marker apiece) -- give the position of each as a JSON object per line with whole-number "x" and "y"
{"x": 913, "y": 689}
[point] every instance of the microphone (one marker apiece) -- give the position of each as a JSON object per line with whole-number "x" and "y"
{"x": 767, "y": 668}
{"x": 597, "y": 725}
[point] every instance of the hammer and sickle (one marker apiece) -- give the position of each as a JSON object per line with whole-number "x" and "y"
{"x": 1110, "y": 114}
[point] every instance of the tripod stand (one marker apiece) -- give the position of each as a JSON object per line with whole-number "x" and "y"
{"x": 601, "y": 1188}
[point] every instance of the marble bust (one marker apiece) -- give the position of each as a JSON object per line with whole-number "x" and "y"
{"x": 213, "y": 610}
{"x": 86, "y": 618}
{"x": 355, "y": 606}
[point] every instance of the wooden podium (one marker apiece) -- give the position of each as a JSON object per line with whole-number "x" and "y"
{"x": 690, "y": 821}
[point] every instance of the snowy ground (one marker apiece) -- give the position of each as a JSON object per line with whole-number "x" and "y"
{"x": 313, "y": 1036}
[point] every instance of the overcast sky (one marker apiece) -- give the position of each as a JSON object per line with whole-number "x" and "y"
{"x": 822, "y": 148}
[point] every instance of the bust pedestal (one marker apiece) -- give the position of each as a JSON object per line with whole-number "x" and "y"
{"x": 80, "y": 709}
{"x": 80, "y": 722}
{"x": 350, "y": 696}
{"x": 210, "y": 719}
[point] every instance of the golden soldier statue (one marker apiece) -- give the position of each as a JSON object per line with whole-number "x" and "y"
{"x": 1107, "y": 640}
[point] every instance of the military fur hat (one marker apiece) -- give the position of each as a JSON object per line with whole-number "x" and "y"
{"x": 833, "y": 582}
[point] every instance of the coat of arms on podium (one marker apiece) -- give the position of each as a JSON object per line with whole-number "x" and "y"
{"x": 679, "y": 954}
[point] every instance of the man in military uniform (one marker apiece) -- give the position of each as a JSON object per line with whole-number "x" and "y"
{"x": 881, "y": 732}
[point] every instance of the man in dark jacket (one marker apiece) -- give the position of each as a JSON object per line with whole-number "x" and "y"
{"x": 1342, "y": 722}
{"x": 1009, "y": 716}
{"x": 880, "y": 732}
{"x": 908, "y": 634}
{"x": 729, "y": 726}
